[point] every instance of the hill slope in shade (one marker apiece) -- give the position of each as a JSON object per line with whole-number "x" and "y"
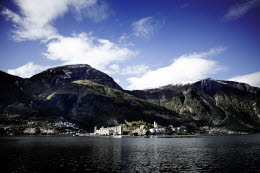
{"x": 92, "y": 104}
{"x": 13, "y": 99}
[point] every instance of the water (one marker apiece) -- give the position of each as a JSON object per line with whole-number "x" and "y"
{"x": 238, "y": 153}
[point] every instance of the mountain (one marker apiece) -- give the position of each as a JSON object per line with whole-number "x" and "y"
{"x": 80, "y": 94}
{"x": 214, "y": 103}
{"x": 62, "y": 75}
{"x": 9, "y": 88}
{"x": 12, "y": 97}
{"x": 88, "y": 97}
{"x": 90, "y": 104}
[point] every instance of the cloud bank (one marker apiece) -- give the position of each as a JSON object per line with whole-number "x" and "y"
{"x": 86, "y": 49}
{"x": 252, "y": 79}
{"x": 35, "y": 22}
{"x": 186, "y": 68}
{"x": 80, "y": 49}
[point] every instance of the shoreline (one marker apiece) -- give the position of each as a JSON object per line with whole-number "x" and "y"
{"x": 127, "y": 136}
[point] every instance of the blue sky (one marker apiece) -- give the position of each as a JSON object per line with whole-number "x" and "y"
{"x": 140, "y": 43}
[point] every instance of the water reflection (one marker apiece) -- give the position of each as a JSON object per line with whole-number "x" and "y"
{"x": 80, "y": 154}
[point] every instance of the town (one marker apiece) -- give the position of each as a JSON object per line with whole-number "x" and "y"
{"x": 138, "y": 128}
{"x": 63, "y": 127}
{"x": 44, "y": 127}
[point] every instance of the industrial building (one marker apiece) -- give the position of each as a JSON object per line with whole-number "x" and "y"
{"x": 156, "y": 129}
{"x": 117, "y": 130}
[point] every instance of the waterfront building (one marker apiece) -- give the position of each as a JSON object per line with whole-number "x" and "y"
{"x": 156, "y": 129}
{"x": 155, "y": 125}
{"x": 181, "y": 128}
{"x": 117, "y": 130}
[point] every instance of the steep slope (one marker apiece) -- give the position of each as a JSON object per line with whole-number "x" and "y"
{"x": 62, "y": 75}
{"x": 50, "y": 94}
{"x": 93, "y": 104}
{"x": 12, "y": 97}
{"x": 209, "y": 102}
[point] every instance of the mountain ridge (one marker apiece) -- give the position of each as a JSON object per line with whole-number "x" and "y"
{"x": 80, "y": 91}
{"x": 221, "y": 101}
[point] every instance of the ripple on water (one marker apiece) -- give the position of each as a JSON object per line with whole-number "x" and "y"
{"x": 80, "y": 154}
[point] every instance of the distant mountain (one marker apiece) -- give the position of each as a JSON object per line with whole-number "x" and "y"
{"x": 90, "y": 97}
{"x": 216, "y": 103}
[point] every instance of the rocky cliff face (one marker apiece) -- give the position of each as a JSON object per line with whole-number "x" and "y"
{"x": 210, "y": 102}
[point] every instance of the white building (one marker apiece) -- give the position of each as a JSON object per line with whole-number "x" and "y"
{"x": 117, "y": 130}
{"x": 155, "y": 129}
{"x": 180, "y": 128}
{"x": 155, "y": 125}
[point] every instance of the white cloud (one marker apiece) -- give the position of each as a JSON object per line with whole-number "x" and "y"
{"x": 240, "y": 9}
{"x": 93, "y": 9}
{"x": 37, "y": 16}
{"x": 128, "y": 70}
{"x": 186, "y": 68}
{"x": 27, "y": 30}
{"x": 135, "y": 70}
{"x": 112, "y": 69}
{"x": 27, "y": 70}
{"x": 125, "y": 40}
{"x": 146, "y": 27}
{"x": 80, "y": 49}
{"x": 252, "y": 79}
{"x": 35, "y": 21}
{"x": 86, "y": 49}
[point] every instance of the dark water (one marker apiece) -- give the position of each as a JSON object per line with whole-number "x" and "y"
{"x": 239, "y": 153}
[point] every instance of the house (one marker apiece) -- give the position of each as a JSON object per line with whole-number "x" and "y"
{"x": 181, "y": 128}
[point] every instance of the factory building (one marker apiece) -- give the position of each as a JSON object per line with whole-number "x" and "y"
{"x": 117, "y": 130}
{"x": 156, "y": 129}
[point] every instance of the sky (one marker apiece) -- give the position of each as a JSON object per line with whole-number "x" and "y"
{"x": 140, "y": 43}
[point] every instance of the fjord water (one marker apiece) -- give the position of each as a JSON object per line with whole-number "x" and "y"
{"x": 236, "y": 153}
